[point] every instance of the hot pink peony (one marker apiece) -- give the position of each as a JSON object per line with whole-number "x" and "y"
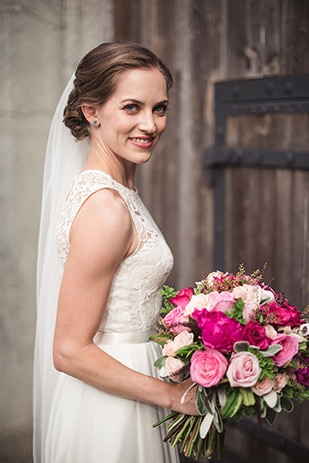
{"x": 207, "y": 367}
{"x": 244, "y": 370}
{"x": 289, "y": 348}
{"x": 218, "y": 330}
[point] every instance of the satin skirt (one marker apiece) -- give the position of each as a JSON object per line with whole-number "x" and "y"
{"x": 90, "y": 426}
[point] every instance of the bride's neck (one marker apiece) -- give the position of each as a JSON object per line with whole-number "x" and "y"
{"x": 119, "y": 169}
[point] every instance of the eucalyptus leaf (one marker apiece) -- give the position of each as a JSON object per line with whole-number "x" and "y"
{"x": 200, "y": 400}
{"x": 218, "y": 422}
{"x": 270, "y": 416}
{"x": 271, "y": 350}
{"x": 286, "y": 404}
{"x": 241, "y": 346}
{"x": 206, "y": 423}
{"x": 160, "y": 362}
{"x": 271, "y": 399}
{"x": 222, "y": 397}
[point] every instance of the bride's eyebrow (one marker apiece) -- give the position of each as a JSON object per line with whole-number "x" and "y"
{"x": 133, "y": 100}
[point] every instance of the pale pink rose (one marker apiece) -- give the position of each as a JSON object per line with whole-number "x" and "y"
{"x": 270, "y": 332}
{"x": 199, "y": 302}
{"x": 289, "y": 349}
{"x": 245, "y": 292}
{"x": 244, "y": 370}
{"x": 169, "y": 348}
{"x": 183, "y": 339}
{"x": 172, "y": 365}
{"x": 222, "y": 302}
{"x": 263, "y": 387}
{"x": 280, "y": 381}
{"x": 210, "y": 279}
{"x": 207, "y": 367}
{"x": 249, "y": 310}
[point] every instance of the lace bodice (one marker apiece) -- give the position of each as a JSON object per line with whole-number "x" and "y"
{"x": 134, "y": 301}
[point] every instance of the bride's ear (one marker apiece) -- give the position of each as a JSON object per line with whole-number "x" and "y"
{"x": 90, "y": 113}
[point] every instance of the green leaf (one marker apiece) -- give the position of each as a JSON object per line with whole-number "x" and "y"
{"x": 286, "y": 404}
{"x": 160, "y": 362}
{"x": 270, "y": 416}
{"x": 200, "y": 400}
{"x": 232, "y": 405}
{"x": 160, "y": 338}
{"x": 248, "y": 396}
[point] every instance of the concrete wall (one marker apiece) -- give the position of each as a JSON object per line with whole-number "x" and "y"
{"x": 41, "y": 42}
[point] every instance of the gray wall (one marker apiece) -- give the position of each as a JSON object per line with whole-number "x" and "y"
{"x": 41, "y": 42}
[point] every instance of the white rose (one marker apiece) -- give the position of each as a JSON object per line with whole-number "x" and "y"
{"x": 200, "y": 301}
{"x": 210, "y": 278}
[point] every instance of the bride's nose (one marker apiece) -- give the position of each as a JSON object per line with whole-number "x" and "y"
{"x": 147, "y": 123}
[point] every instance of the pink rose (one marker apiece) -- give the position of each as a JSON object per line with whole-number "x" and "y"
{"x": 263, "y": 387}
{"x": 289, "y": 349}
{"x": 181, "y": 340}
{"x": 244, "y": 370}
{"x": 222, "y": 302}
{"x": 218, "y": 330}
{"x": 255, "y": 334}
{"x": 280, "y": 382}
{"x": 207, "y": 367}
{"x": 183, "y": 298}
{"x": 175, "y": 318}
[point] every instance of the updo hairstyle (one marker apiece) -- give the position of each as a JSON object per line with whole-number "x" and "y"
{"x": 97, "y": 75}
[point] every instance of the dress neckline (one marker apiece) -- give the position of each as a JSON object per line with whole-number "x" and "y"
{"x": 120, "y": 185}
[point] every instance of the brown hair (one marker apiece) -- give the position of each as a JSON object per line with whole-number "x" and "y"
{"x": 97, "y": 75}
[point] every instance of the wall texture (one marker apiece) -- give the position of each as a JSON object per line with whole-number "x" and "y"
{"x": 202, "y": 41}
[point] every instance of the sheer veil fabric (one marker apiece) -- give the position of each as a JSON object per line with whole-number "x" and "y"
{"x": 64, "y": 158}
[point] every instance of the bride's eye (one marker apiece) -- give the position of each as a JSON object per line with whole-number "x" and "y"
{"x": 160, "y": 109}
{"x": 131, "y": 108}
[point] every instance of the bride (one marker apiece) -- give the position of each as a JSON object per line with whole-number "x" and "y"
{"x": 101, "y": 264}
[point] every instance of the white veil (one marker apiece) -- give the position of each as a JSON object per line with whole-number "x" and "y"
{"x": 64, "y": 158}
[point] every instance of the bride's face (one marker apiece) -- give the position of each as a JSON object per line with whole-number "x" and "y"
{"x": 133, "y": 119}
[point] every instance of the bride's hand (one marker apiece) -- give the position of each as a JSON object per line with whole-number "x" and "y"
{"x": 188, "y": 406}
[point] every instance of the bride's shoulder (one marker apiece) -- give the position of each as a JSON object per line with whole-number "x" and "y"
{"x": 104, "y": 213}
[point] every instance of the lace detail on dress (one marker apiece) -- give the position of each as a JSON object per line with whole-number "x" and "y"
{"x": 134, "y": 301}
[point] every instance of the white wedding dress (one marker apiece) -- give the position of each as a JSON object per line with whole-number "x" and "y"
{"x": 90, "y": 426}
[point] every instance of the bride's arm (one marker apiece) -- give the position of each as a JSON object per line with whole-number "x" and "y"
{"x": 101, "y": 236}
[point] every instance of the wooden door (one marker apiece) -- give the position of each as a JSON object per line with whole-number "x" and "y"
{"x": 259, "y": 168}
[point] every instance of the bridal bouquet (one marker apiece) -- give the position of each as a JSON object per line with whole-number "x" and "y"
{"x": 245, "y": 348}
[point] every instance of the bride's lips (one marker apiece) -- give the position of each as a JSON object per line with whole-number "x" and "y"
{"x": 142, "y": 142}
